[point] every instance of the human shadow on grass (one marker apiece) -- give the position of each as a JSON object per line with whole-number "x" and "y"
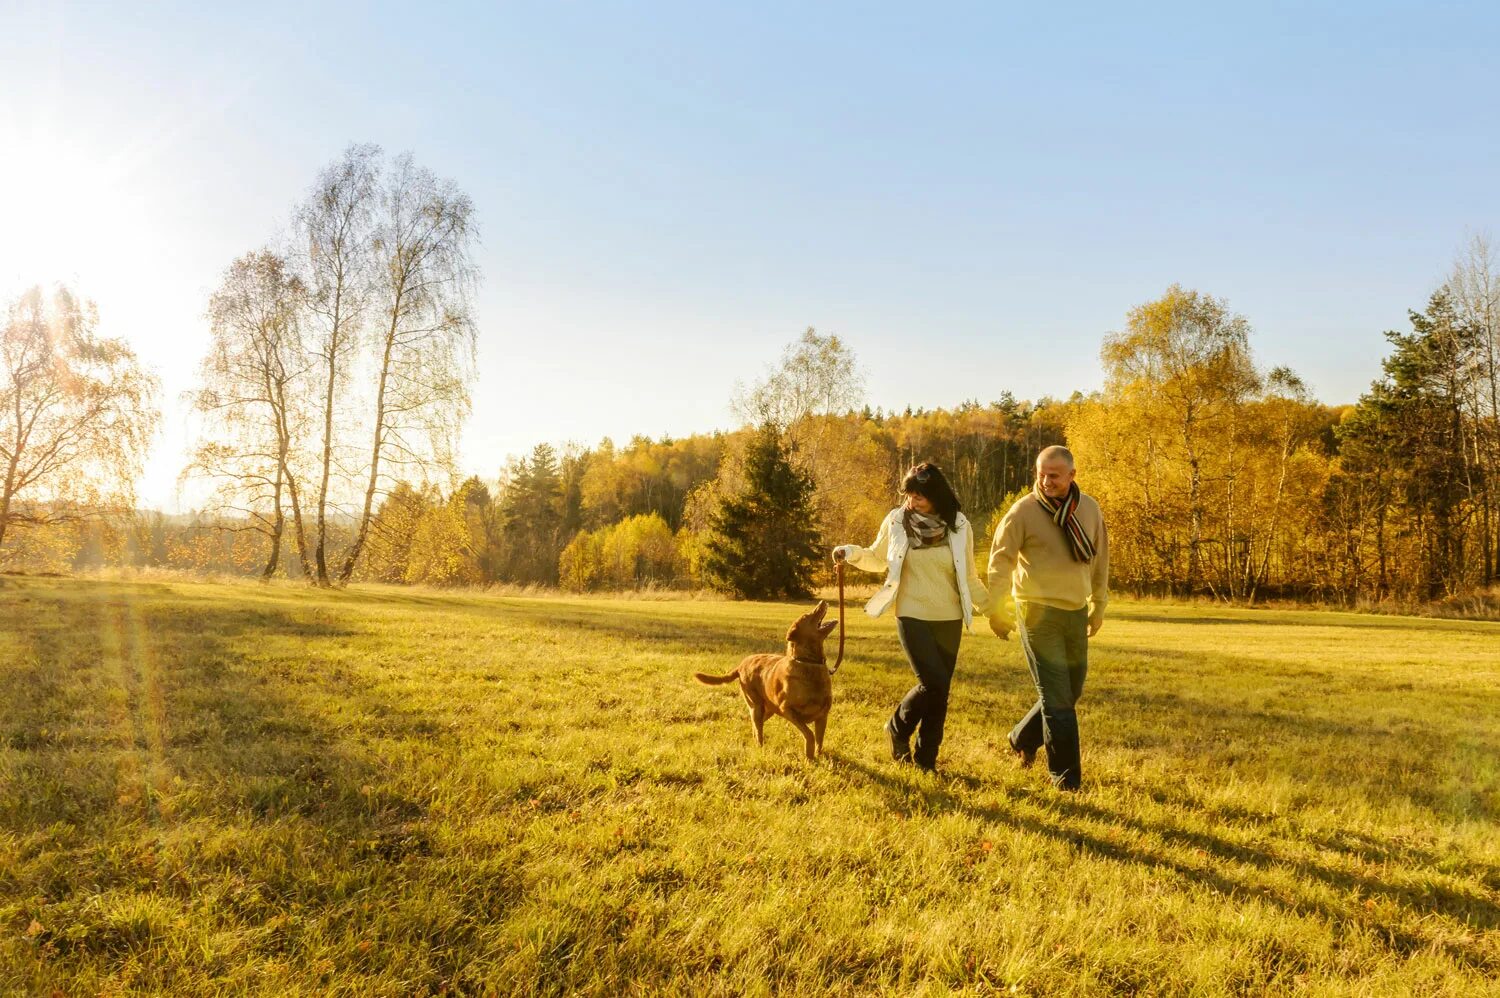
{"x": 1399, "y": 763}
{"x": 1396, "y": 763}
{"x": 1037, "y": 813}
{"x": 1465, "y": 905}
{"x": 1361, "y": 846}
{"x": 1395, "y": 760}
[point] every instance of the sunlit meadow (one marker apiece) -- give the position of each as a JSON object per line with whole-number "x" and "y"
{"x": 267, "y": 789}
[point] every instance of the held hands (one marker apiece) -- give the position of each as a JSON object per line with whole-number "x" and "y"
{"x": 1001, "y": 626}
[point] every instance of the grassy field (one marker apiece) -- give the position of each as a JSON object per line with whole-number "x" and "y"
{"x": 238, "y": 789}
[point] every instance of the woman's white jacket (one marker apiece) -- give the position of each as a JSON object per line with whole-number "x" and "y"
{"x": 888, "y": 554}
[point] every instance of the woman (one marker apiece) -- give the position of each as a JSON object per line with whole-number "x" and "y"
{"x": 926, "y": 550}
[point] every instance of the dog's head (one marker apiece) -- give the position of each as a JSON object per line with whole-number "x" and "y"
{"x": 804, "y": 639}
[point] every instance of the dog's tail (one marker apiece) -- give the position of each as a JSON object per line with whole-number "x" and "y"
{"x": 708, "y": 680}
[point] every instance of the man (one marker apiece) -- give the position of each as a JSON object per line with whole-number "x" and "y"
{"x": 1051, "y": 552}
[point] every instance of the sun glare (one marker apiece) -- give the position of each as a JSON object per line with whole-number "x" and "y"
{"x": 74, "y": 214}
{"x": 66, "y": 215}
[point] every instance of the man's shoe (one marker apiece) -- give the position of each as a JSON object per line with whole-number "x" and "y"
{"x": 900, "y": 747}
{"x": 1024, "y": 757}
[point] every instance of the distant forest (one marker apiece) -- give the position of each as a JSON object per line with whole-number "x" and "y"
{"x": 337, "y": 373}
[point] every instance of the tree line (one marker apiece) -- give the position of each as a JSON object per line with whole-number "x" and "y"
{"x": 338, "y": 374}
{"x": 1223, "y": 479}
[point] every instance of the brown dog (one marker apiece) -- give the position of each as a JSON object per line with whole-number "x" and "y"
{"x": 795, "y": 685}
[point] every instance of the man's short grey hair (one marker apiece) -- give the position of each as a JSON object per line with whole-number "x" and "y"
{"x": 1057, "y": 452}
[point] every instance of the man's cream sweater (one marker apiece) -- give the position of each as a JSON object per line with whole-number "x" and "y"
{"x": 1030, "y": 557}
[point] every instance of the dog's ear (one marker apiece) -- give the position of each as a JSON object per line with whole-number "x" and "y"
{"x": 791, "y": 632}
{"x": 827, "y": 629}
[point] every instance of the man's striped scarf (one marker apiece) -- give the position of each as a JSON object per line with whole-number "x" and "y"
{"x": 1063, "y": 513}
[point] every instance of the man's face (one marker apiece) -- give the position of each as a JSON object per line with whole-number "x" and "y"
{"x": 1055, "y": 477}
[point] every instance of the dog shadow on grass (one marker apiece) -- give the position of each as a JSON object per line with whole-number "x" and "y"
{"x": 1062, "y": 818}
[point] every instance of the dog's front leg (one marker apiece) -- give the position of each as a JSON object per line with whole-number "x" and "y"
{"x": 807, "y": 733}
{"x": 819, "y": 726}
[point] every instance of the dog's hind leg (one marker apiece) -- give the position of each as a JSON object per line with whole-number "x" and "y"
{"x": 757, "y": 709}
{"x": 807, "y": 734}
{"x": 819, "y": 726}
{"x": 758, "y": 722}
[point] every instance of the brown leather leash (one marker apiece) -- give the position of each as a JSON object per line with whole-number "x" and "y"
{"x": 839, "y": 571}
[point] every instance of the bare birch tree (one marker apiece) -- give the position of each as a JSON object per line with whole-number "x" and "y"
{"x": 1475, "y": 289}
{"x": 253, "y": 393}
{"x": 817, "y": 375}
{"x": 335, "y": 222}
{"x": 425, "y": 341}
{"x": 77, "y": 412}
{"x": 817, "y": 380}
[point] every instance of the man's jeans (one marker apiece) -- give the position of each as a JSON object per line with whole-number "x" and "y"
{"x": 932, "y": 648}
{"x": 1056, "y": 643}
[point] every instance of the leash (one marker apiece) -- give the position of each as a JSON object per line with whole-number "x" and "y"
{"x": 839, "y": 571}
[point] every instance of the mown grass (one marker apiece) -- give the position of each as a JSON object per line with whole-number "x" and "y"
{"x": 238, "y": 789}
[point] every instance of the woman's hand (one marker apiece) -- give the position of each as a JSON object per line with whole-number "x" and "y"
{"x": 840, "y": 554}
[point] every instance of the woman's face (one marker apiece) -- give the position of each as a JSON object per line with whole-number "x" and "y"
{"x": 918, "y": 504}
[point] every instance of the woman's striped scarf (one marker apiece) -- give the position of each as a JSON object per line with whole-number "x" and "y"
{"x": 1062, "y": 512}
{"x": 924, "y": 531}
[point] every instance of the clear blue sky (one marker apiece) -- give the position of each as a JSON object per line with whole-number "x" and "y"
{"x": 970, "y": 195}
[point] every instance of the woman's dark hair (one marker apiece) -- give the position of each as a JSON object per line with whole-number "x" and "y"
{"x": 928, "y": 481}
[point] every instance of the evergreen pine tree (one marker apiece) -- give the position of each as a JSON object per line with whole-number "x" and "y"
{"x": 532, "y": 516}
{"x": 763, "y": 543}
{"x": 1407, "y": 439}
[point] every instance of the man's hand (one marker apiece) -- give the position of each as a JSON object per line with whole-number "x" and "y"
{"x": 840, "y": 554}
{"x": 1001, "y": 626}
{"x": 1095, "y": 622}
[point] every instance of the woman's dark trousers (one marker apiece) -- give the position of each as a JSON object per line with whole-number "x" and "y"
{"x": 931, "y": 647}
{"x": 1056, "y": 643}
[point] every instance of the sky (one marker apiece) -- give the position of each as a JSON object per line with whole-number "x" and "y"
{"x": 970, "y": 195}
